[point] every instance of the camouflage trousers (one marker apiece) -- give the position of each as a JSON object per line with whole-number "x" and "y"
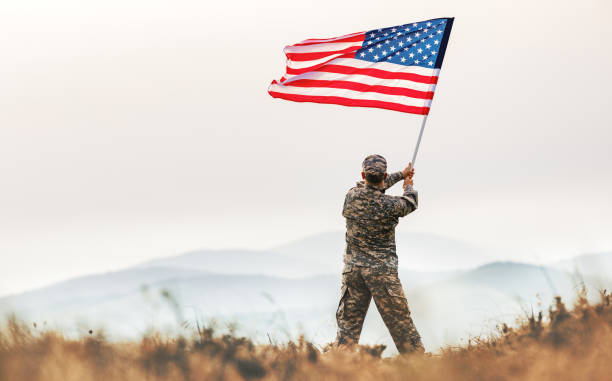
{"x": 359, "y": 285}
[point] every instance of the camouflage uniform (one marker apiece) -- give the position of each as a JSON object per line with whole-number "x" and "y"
{"x": 370, "y": 260}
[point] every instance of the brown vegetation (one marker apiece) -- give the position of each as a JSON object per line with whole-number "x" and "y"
{"x": 565, "y": 345}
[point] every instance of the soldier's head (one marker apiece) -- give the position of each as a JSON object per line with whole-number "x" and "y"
{"x": 374, "y": 169}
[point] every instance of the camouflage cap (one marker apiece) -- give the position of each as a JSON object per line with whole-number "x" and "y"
{"x": 374, "y": 164}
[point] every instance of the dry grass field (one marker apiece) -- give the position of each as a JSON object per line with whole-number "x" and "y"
{"x": 562, "y": 344}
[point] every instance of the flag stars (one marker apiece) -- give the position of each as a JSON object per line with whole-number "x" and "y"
{"x": 410, "y": 44}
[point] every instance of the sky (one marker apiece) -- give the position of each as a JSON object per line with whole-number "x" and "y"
{"x": 132, "y": 130}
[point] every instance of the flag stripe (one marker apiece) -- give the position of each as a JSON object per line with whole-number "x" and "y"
{"x": 381, "y": 70}
{"x": 346, "y": 93}
{"x": 318, "y": 55}
{"x": 351, "y": 102}
{"x": 365, "y": 79}
{"x": 362, "y": 87}
{"x": 299, "y": 67}
{"x": 328, "y": 47}
{"x": 377, "y": 73}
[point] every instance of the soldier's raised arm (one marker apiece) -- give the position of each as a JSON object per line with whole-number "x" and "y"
{"x": 392, "y": 179}
{"x": 408, "y": 202}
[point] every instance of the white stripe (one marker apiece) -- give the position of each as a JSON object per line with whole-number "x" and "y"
{"x": 387, "y": 66}
{"x": 329, "y": 47}
{"x": 365, "y": 79}
{"x": 351, "y": 94}
{"x": 361, "y": 64}
{"x": 330, "y": 39}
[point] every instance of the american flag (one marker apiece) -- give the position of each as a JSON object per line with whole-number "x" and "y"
{"x": 394, "y": 68}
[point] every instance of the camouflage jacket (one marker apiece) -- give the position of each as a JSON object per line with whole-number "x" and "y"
{"x": 371, "y": 217}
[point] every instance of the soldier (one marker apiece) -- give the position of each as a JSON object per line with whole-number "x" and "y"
{"x": 370, "y": 260}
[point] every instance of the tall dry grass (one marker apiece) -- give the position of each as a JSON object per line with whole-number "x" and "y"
{"x": 565, "y": 344}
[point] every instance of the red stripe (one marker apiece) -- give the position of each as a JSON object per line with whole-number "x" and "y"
{"x": 351, "y": 102}
{"x": 362, "y": 87}
{"x": 358, "y": 37}
{"x": 378, "y": 73}
{"x": 318, "y": 55}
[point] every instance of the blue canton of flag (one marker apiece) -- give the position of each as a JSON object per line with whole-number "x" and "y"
{"x": 416, "y": 44}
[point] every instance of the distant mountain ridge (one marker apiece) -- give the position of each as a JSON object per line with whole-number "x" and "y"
{"x": 281, "y": 293}
{"x": 242, "y": 262}
{"x": 422, "y": 251}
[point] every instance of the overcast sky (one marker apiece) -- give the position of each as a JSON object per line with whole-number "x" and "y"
{"x": 138, "y": 129}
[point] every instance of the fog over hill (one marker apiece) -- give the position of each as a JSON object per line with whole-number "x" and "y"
{"x": 243, "y": 262}
{"x": 280, "y": 295}
{"x": 417, "y": 251}
{"x": 594, "y": 265}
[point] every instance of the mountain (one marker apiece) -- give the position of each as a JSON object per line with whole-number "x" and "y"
{"x": 592, "y": 265}
{"x": 243, "y": 262}
{"x": 422, "y": 251}
{"x": 447, "y": 307}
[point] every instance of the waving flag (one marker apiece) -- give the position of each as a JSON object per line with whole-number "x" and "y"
{"x": 394, "y": 68}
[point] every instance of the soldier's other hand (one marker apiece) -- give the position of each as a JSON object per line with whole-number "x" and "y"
{"x": 408, "y": 171}
{"x": 408, "y": 181}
